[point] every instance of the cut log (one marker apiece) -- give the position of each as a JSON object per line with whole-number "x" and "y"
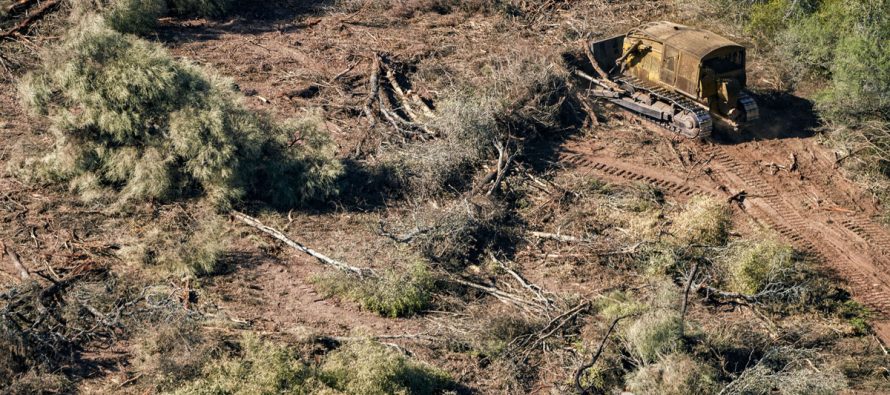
{"x": 374, "y": 89}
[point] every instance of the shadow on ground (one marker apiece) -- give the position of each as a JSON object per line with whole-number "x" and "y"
{"x": 782, "y": 116}
{"x": 248, "y": 17}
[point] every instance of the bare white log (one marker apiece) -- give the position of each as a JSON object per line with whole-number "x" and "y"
{"x": 558, "y": 237}
{"x": 300, "y": 247}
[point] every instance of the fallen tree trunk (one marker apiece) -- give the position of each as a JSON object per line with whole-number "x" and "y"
{"x": 300, "y": 247}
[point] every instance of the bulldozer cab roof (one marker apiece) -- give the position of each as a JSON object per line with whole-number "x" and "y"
{"x": 696, "y": 42}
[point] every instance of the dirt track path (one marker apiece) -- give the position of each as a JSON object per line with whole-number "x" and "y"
{"x": 806, "y": 212}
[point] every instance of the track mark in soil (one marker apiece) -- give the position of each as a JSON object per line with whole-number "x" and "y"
{"x": 834, "y": 243}
{"x": 625, "y": 172}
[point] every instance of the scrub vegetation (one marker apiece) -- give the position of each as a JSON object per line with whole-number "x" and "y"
{"x": 431, "y": 231}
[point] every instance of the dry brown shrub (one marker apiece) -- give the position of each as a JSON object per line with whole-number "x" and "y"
{"x": 171, "y": 353}
{"x": 673, "y": 374}
{"x": 704, "y": 221}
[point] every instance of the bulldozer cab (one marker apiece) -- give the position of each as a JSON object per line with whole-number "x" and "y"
{"x": 687, "y": 59}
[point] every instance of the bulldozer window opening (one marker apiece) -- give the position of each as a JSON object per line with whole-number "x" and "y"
{"x": 726, "y": 63}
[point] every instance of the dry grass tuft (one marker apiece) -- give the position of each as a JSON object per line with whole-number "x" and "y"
{"x": 704, "y": 221}
{"x": 673, "y": 374}
{"x": 172, "y": 353}
{"x": 653, "y": 335}
{"x": 183, "y": 244}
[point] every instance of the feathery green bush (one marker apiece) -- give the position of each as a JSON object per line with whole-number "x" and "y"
{"x": 134, "y": 16}
{"x": 751, "y": 265}
{"x": 261, "y": 367}
{"x": 366, "y": 367}
{"x": 132, "y": 123}
{"x": 357, "y": 367}
{"x": 396, "y": 293}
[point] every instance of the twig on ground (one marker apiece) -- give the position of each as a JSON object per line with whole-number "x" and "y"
{"x": 16, "y": 262}
{"x": 558, "y": 237}
{"x": 404, "y": 238}
{"x": 536, "y": 290}
{"x": 42, "y": 9}
{"x": 300, "y": 247}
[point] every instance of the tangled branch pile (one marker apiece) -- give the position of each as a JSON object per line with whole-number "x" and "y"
{"x": 133, "y": 123}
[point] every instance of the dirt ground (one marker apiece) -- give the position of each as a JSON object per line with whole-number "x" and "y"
{"x": 294, "y": 57}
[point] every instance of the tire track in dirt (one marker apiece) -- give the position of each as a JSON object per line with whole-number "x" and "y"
{"x": 831, "y": 242}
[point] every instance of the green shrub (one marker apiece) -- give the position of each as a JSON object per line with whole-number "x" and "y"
{"x": 135, "y": 16}
{"x": 132, "y": 122}
{"x": 201, "y": 8}
{"x": 654, "y": 334}
{"x": 261, "y": 367}
{"x": 395, "y": 293}
{"x": 704, "y": 221}
{"x": 258, "y": 366}
{"x": 366, "y": 367}
{"x": 182, "y": 244}
{"x": 751, "y": 266}
{"x": 673, "y": 374}
{"x": 617, "y": 304}
{"x": 170, "y": 354}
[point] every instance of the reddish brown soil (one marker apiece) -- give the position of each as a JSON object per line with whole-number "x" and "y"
{"x": 285, "y": 62}
{"x": 813, "y": 205}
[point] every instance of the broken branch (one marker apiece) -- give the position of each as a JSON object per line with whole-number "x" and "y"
{"x": 300, "y": 247}
{"x": 16, "y": 262}
{"x": 374, "y": 89}
{"x": 42, "y": 9}
{"x": 504, "y": 297}
{"x": 596, "y": 356}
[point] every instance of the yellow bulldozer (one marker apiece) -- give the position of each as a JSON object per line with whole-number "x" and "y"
{"x": 677, "y": 76}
